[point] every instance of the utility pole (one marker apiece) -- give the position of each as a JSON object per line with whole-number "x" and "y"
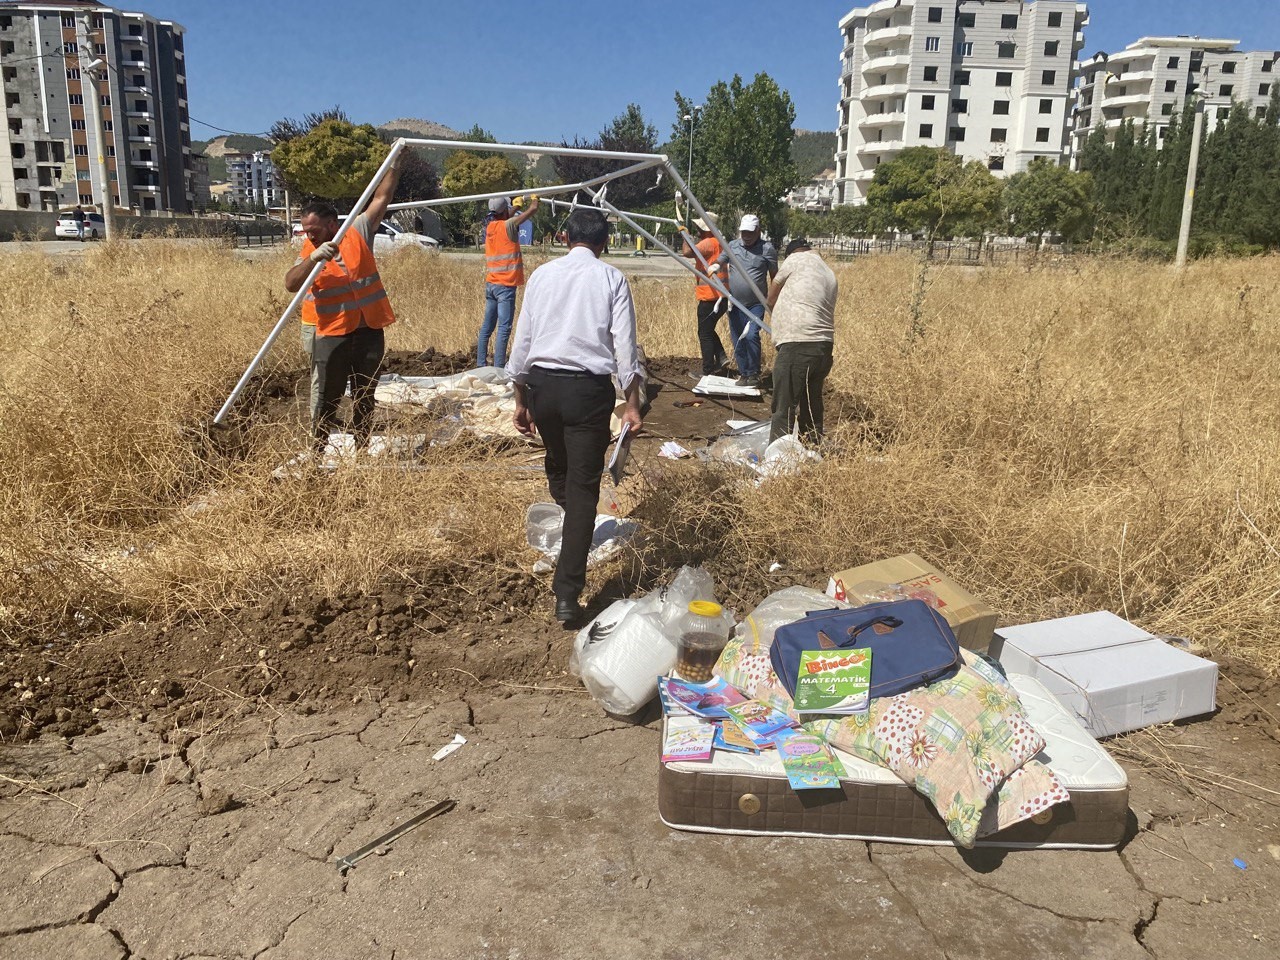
{"x": 691, "y": 118}
{"x": 1193, "y": 163}
{"x": 94, "y": 70}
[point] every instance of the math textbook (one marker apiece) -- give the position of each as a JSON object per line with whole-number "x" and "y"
{"x": 834, "y": 681}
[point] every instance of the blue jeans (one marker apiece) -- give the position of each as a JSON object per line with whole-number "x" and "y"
{"x": 499, "y": 311}
{"x": 746, "y": 350}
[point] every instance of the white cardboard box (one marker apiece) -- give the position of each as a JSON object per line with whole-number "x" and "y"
{"x": 1112, "y": 675}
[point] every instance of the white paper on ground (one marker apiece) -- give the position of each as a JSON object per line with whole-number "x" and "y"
{"x": 713, "y": 386}
{"x": 457, "y": 741}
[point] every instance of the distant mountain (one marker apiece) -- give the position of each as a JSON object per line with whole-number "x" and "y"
{"x": 425, "y": 129}
{"x": 233, "y": 143}
{"x": 813, "y": 151}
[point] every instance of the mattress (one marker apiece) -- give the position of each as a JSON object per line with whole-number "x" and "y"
{"x": 745, "y": 794}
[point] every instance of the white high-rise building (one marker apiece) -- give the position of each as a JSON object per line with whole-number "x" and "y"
{"x": 1150, "y": 80}
{"x": 990, "y": 80}
{"x": 252, "y": 177}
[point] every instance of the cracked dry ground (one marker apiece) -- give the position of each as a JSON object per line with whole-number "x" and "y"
{"x": 215, "y": 836}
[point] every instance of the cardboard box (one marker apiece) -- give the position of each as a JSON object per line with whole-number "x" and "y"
{"x": 1112, "y": 675}
{"x": 971, "y": 620}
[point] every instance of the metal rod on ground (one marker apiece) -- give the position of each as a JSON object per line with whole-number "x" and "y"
{"x": 1189, "y": 199}
{"x": 311, "y": 278}
{"x": 715, "y": 230}
{"x": 541, "y": 191}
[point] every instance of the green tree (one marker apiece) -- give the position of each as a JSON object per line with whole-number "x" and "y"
{"x": 335, "y": 160}
{"x": 628, "y": 132}
{"x": 930, "y": 189}
{"x": 1048, "y": 198}
{"x": 742, "y": 148}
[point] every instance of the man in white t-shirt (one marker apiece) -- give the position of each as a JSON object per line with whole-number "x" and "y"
{"x": 802, "y": 301}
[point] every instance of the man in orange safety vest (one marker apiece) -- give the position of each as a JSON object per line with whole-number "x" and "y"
{"x": 504, "y": 271}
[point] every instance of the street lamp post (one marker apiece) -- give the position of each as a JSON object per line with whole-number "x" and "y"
{"x": 95, "y": 70}
{"x": 691, "y": 118}
{"x": 1193, "y": 165}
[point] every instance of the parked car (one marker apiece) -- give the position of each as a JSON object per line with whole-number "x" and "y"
{"x": 388, "y": 237}
{"x": 94, "y": 226}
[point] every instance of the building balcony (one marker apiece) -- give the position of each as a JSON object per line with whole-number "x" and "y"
{"x": 150, "y": 187}
{"x": 875, "y": 39}
{"x": 880, "y": 146}
{"x": 884, "y": 91}
{"x": 1143, "y": 77}
{"x": 135, "y": 38}
{"x": 141, "y": 138}
{"x": 140, "y": 114}
{"x": 140, "y": 91}
{"x": 1128, "y": 100}
{"x": 149, "y": 164}
{"x": 862, "y": 176}
{"x": 890, "y": 60}
{"x": 874, "y": 120}
{"x": 887, "y": 6}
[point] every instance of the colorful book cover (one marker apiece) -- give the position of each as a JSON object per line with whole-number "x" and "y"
{"x": 809, "y": 762}
{"x": 671, "y": 707}
{"x": 687, "y": 738}
{"x": 759, "y": 721}
{"x": 703, "y": 699}
{"x": 834, "y": 681}
{"x": 729, "y": 736}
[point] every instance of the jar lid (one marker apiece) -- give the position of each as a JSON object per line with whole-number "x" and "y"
{"x": 705, "y": 608}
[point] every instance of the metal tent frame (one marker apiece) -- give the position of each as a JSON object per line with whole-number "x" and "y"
{"x": 597, "y": 187}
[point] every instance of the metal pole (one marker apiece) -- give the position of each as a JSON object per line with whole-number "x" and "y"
{"x": 1188, "y": 200}
{"x": 542, "y": 191}
{"x": 526, "y": 148}
{"x": 95, "y": 117}
{"x": 311, "y": 278}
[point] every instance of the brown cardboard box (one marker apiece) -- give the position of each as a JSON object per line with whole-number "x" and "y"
{"x": 971, "y": 620}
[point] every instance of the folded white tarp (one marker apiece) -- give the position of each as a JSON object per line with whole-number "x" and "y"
{"x": 713, "y": 386}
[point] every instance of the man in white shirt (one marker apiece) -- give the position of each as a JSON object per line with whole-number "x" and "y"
{"x": 803, "y": 303}
{"x": 575, "y": 332}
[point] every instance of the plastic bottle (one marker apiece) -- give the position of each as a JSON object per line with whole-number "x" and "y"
{"x": 704, "y": 631}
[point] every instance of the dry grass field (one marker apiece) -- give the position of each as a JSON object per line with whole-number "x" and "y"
{"x": 1063, "y": 438}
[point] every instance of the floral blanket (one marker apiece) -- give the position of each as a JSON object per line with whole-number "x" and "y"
{"x": 964, "y": 743}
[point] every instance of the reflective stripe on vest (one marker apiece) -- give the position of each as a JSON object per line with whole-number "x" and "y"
{"x": 344, "y": 294}
{"x": 503, "y": 261}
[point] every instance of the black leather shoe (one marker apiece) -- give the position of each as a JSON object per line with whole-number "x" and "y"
{"x": 568, "y": 612}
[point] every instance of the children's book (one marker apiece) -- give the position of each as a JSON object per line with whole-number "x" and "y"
{"x": 809, "y": 762}
{"x": 834, "y": 681}
{"x": 708, "y": 699}
{"x": 671, "y": 707}
{"x": 759, "y": 721}
{"x": 729, "y": 737}
{"x": 687, "y": 738}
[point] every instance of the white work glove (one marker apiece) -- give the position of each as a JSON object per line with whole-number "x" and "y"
{"x": 326, "y": 251}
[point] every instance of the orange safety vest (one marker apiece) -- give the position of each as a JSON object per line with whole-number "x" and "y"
{"x": 340, "y": 298}
{"x": 502, "y": 260}
{"x": 710, "y": 249}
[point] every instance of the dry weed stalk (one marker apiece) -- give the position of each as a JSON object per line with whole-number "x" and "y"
{"x": 1048, "y": 415}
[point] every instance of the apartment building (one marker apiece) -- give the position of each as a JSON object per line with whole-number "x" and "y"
{"x": 990, "y": 80}
{"x": 48, "y": 146}
{"x": 816, "y": 196}
{"x": 1150, "y": 80}
{"x": 252, "y": 180}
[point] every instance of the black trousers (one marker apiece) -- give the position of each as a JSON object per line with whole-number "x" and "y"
{"x": 799, "y": 370}
{"x": 571, "y": 412}
{"x": 709, "y": 314}
{"x": 336, "y": 361}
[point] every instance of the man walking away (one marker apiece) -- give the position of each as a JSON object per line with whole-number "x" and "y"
{"x": 78, "y": 216}
{"x": 803, "y": 303}
{"x": 577, "y": 330}
{"x": 761, "y": 261}
{"x": 711, "y": 306}
{"x": 504, "y": 271}
{"x": 350, "y": 310}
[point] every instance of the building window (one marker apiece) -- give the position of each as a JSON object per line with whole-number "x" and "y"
{"x": 932, "y": 44}
{"x": 1171, "y": 86}
{"x": 962, "y": 78}
{"x": 83, "y": 175}
{"x": 1055, "y": 19}
{"x": 935, "y": 14}
{"x": 1225, "y": 90}
{"x": 69, "y": 48}
{"x": 1266, "y": 65}
{"x": 107, "y": 125}
{"x": 1173, "y": 63}
{"x": 968, "y": 20}
{"x": 1009, "y": 21}
{"x": 1051, "y": 48}
{"x": 77, "y": 124}
{"x": 995, "y": 163}
{"x": 98, "y": 22}
{"x": 80, "y": 150}
{"x": 1260, "y": 113}
{"x": 930, "y": 74}
{"x": 1006, "y": 50}
{"x": 1004, "y": 78}
{"x": 12, "y": 99}
{"x": 1000, "y": 108}
{"x": 1042, "y": 135}
{"x": 1046, "y": 106}
{"x": 15, "y": 125}
{"x": 959, "y": 106}
{"x": 927, "y": 101}
{"x": 964, "y": 48}
{"x": 1264, "y": 89}
{"x": 1167, "y": 110}
{"x": 68, "y": 20}
{"x": 76, "y": 98}
{"x": 86, "y": 198}
{"x": 19, "y": 173}
{"x": 105, "y": 100}
{"x": 111, "y": 151}
{"x": 139, "y": 106}
{"x": 6, "y": 46}
{"x": 1224, "y": 112}
{"x": 999, "y": 134}
{"x": 1228, "y": 66}
{"x": 926, "y": 130}
{"x": 956, "y": 134}
{"x": 1048, "y": 77}
{"x": 73, "y": 73}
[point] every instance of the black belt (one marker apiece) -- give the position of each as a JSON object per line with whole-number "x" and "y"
{"x": 571, "y": 374}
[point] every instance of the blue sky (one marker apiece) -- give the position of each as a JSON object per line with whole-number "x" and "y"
{"x": 560, "y": 68}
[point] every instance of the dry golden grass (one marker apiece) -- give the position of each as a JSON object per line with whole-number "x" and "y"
{"x": 1065, "y": 438}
